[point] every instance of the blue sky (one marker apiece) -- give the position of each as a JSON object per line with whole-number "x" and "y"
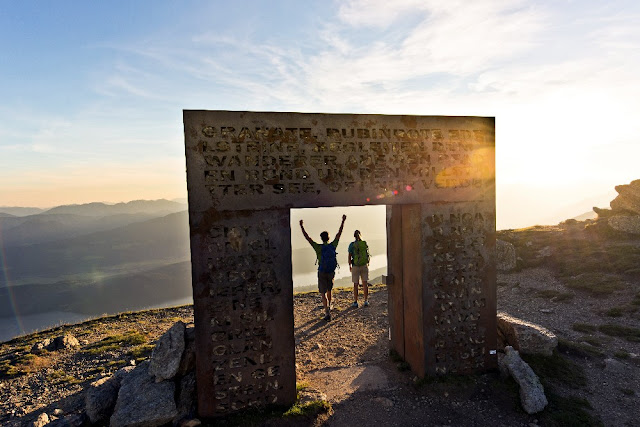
{"x": 93, "y": 92}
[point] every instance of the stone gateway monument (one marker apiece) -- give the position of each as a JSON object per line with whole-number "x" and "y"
{"x": 246, "y": 170}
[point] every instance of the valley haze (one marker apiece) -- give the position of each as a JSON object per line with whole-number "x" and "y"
{"x": 73, "y": 262}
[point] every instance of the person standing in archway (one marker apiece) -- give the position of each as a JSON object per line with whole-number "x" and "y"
{"x": 327, "y": 263}
{"x": 359, "y": 267}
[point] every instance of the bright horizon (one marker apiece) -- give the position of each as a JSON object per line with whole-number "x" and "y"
{"x": 93, "y": 93}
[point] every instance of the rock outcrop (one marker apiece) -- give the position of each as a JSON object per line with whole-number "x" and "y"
{"x": 167, "y": 354}
{"x": 101, "y": 396}
{"x": 526, "y": 337}
{"x": 626, "y": 224}
{"x": 156, "y": 392}
{"x": 628, "y": 199}
{"x": 624, "y": 214}
{"x": 58, "y": 343}
{"x": 144, "y": 402}
{"x": 505, "y": 256}
{"x": 532, "y": 395}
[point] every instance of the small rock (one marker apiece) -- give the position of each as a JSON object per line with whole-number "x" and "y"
{"x": 532, "y": 395}
{"x": 524, "y": 336}
{"x": 43, "y": 419}
{"x": 57, "y": 412}
{"x": 316, "y": 346}
{"x": 64, "y": 342}
{"x": 546, "y": 310}
{"x": 311, "y": 395}
{"x": 39, "y": 347}
{"x": 191, "y": 423}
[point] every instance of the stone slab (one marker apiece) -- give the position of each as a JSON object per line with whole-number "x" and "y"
{"x": 258, "y": 160}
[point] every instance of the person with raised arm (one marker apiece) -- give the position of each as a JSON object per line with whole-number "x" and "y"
{"x": 327, "y": 263}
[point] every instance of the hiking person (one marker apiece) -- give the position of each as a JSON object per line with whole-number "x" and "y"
{"x": 327, "y": 263}
{"x": 359, "y": 267}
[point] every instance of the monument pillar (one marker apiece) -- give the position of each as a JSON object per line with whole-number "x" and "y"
{"x": 442, "y": 305}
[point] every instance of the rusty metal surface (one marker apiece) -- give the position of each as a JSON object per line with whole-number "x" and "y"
{"x": 394, "y": 289}
{"x": 243, "y": 309}
{"x": 412, "y": 284}
{"x": 249, "y": 160}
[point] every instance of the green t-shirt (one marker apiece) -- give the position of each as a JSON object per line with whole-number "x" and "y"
{"x": 318, "y": 248}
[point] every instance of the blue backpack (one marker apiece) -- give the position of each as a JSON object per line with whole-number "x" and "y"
{"x": 328, "y": 260}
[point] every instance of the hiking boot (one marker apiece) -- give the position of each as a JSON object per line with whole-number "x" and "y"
{"x": 366, "y": 304}
{"x": 355, "y": 304}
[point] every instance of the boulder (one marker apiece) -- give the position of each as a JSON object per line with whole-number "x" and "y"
{"x": 525, "y": 337}
{"x": 505, "y": 256}
{"x": 142, "y": 401}
{"x": 626, "y": 224}
{"x": 532, "y": 395}
{"x": 64, "y": 342}
{"x": 167, "y": 354}
{"x": 101, "y": 396}
{"x": 42, "y": 420}
{"x": 628, "y": 199}
{"x": 39, "y": 347}
{"x": 188, "y": 362}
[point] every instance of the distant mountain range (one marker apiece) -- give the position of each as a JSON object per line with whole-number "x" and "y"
{"x": 19, "y": 211}
{"x": 64, "y": 222}
{"x": 156, "y": 207}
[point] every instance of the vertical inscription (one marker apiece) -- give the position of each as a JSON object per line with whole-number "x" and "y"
{"x": 456, "y": 261}
{"x": 244, "y": 311}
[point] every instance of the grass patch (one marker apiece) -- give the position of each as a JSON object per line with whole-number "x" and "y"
{"x": 307, "y": 409}
{"x": 401, "y": 364}
{"x": 627, "y": 392}
{"x": 270, "y": 414}
{"x": 621, "y": 354}
{"x": 141, "y": 352}
{"x": 552, "y": 294}
{"x": 584, "y": 327}
{"x": 594, "y": 341}
{"x": 568, "y": 412}
{"x": 116, "y": 342}
{"x": 21, "y": 364}
{"x": 61, "y": 377}
{"x": 626, "y": 332}
{"x": 302, "y": 386}
{"x": 557, "y": 369}
{"x": 596, "y": 284}
{"x": 577, "y": 349}
{"x": 614, "y": 312}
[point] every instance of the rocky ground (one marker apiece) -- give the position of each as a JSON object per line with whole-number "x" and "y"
{"x": 582, "y": 285}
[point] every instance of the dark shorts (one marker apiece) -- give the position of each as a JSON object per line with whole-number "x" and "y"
{"x": 325, "y": 281}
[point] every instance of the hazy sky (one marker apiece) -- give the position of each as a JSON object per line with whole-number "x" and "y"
{"x": 92, "y": 93}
